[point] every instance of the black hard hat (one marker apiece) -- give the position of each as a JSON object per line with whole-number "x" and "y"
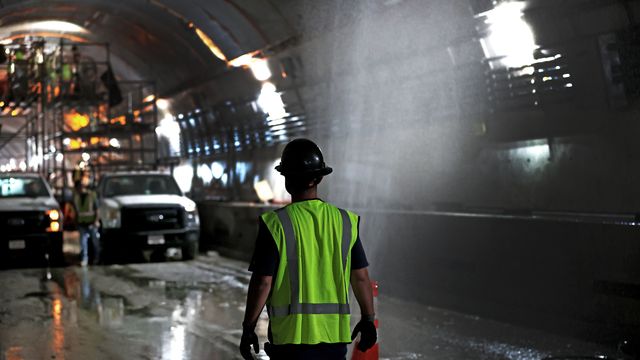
{"x": 302, "y": 157}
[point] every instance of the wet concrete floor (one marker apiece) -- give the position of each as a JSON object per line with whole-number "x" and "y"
{"x": 193, "y": 310}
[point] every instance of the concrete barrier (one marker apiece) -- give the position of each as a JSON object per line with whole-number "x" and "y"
{"x": 579, "y": 279}
{"x": 574, "y": 278}
{"x": 230, "y": 227}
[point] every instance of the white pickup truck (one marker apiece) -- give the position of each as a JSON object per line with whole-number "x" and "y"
{"x": 30, "y": 221}
{"x": 146, "y": 211}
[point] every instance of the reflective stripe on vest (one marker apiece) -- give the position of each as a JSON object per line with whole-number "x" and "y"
{"x": 342, "y": 309}
{"x": 295, "y": 306}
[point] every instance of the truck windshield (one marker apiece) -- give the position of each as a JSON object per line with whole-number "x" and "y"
{"x": 22, "y": 187}
{"x": 140, "y": 185}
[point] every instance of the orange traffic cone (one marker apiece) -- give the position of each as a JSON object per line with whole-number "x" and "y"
{"x": 374, "y": 352}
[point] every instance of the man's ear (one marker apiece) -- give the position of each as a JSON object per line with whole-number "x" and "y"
{"x": 317, "y": 180}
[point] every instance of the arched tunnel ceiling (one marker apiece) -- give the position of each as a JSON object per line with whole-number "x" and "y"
{"x": 153, "y": 38}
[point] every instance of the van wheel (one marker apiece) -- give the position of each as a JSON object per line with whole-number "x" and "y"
{"x": 190, "y": 250}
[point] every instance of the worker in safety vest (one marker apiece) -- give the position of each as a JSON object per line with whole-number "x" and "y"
{"x": 306, "y": 256}
{"x": 85, "y": 203}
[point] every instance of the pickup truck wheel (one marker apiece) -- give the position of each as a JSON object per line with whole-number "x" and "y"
{"x": 189, "y": 250}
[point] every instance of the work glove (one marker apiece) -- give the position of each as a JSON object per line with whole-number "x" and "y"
{"x": 249, "y": 338}
{"x": 368, "y": 333}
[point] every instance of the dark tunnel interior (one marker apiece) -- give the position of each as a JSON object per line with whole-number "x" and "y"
{"x": 488, "y": 146}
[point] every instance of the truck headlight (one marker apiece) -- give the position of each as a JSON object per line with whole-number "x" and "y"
{"x": 192, "y": 218}
{"x": 191, "y": 214}
{"x": 53, "y": 216}
{"x": 111, "y": 218}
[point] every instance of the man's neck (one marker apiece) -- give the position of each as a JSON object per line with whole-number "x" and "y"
{"x": 308, "y": 194}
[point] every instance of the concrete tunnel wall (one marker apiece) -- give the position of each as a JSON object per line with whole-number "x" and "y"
{"x": 409, "y": 145}
{"x": 402, "y": 143}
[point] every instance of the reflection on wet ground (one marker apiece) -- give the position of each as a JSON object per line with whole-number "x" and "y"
{"x": 193, "y": 310}
{"x": 156, "y": 311}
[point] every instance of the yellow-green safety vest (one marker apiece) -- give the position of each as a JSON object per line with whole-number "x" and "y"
{"x": 85, "y": 209}
{"x": 309, "y": 300}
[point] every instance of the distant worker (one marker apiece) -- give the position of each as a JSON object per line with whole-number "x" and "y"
{"x": 306, "y": 256}
{"x": 86, "y": 205}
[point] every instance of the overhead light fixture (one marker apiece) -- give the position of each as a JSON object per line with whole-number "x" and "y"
{"x": 57, "y": 25}
{"x": 169, "y": 129}
{"x": 217, "y": 169}
{"x": 7, "y": 40}
{"x": 509, "y": 37}
{"x": 259, "y": 65}
{"x": 46, "y": 25}
{"x": 205, "y": 174}
{"x": 76, "y": 120}
{"x": 162, "y": 104}
{"x": 260, "y": 69}
{"x": 243, "y": 60}
{"x": 270, "y": 102}
{"x": 183, "y": 174}
{"x": 209, "y": 43}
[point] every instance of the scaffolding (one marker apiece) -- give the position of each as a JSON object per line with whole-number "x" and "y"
{"x": 79, "y": 118}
